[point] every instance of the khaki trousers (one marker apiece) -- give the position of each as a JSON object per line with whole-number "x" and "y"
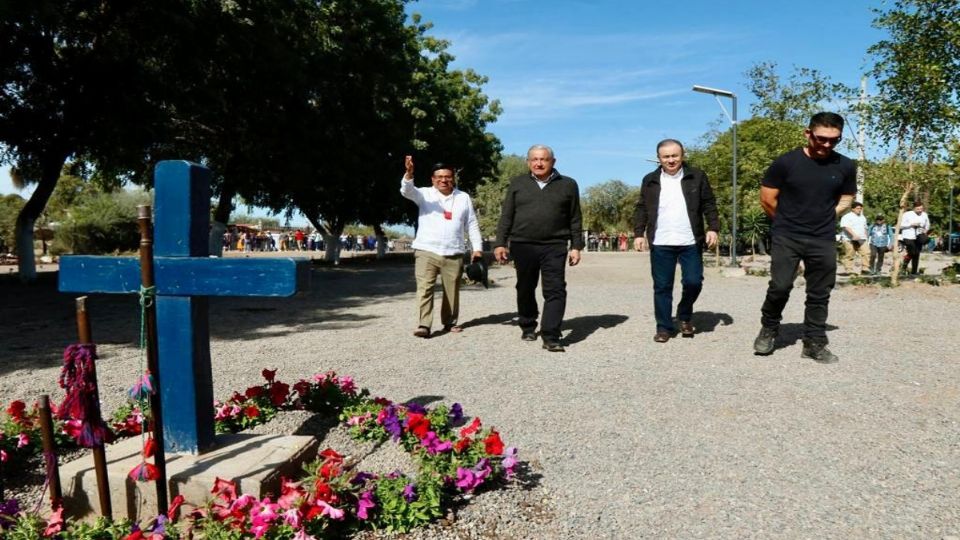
{"x": 855, "y": 246}
{"x": 450, "y": 269}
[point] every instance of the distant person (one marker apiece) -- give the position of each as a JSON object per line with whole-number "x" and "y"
{"x": 913, "y": 229}
{"x": 881, "y": 240}
{"x": 542, "y": 228}
{"x": 803, "y": 192}
{"x": 674, "y": 201}
{"x": 446, "y": 214}
{"x": 853, "y": 236}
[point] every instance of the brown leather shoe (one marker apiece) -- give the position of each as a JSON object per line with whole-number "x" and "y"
{"x": 687, "y": 329}
{"x": 662, "y": 337}
{"x": 422, "y": 332}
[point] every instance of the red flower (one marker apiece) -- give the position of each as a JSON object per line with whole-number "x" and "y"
{"x": 278, "y": 393}
{"x": 255, "y": 392}
{"x": 302, "y": 387}
{"x": 323, "y": 492}
{"x": 418, "y": 425}
{"x": 493, "y": 444}
{"x": 269, "y": 374}
{"x": 251, "y": 411}
{"x": 471, "y": 429}
{"x": 135, "y": 535}
{"x": 237, "y": 397}
{"x": 462, "y": 444}
{"x": 225, "y": 489}
{"x": 174, "y": 506}
{"x": 149, "y": 447}
{"x": 16, "y": 410}
{"x": 55, "y": 523}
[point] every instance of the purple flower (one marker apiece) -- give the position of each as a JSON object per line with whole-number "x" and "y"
{"x": 416, "y": 408}
{"x": 8, "y": 508}
{"x": 467, "y": 480}
{"x": 395, "y": 474}
{"x": 434, "y": 445}
{"x": 456, "y": 414}
{"x": 510, "y": 461}
{"x": 361, "y": 478}
{"x": 364, "y": 503}
{"x": 392, "y": 424}
{"x": 410, "y": 493}
{"x": 160, "y": 527}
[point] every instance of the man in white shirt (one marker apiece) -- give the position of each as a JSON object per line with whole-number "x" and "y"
{"x": 913, "y": 230}
{"x": 674, "y": 200}
{"x": 446, "y": 214}
{"x": 853, "y": 235}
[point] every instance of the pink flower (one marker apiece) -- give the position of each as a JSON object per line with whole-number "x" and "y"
{"x": 347, "y": 385}
{"x": 357, "y": 420}
{"x": 330, "y": 511}
{"x": 466, "y": 480}
{"x": 3, "y": 456}
{"x": 364, "y": 504}
{"x": 292, "y": 518}
{"x": 22, "y": 440}
{"x": 302, "y": 535}
{"x": 434, "y": 445}
{"x": 242, "y": 503}
{"x": 510, "y": 461}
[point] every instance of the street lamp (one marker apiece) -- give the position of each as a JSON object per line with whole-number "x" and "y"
{"x": 950, "y": 225}
{"x": 726, "y": 93}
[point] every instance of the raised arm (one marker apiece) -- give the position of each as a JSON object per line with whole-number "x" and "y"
{"x": 407, "y": 188}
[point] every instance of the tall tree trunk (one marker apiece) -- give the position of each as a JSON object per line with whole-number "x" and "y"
{"x": 381, "y": 240}
{"x": 895, "y": 250}
{"x": 331, "y": 235}
{"x": 50, "y": 167}
{"x": 221, "y": 216}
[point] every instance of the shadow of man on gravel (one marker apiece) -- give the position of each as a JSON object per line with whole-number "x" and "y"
{"x": 791, "y": 333}
{"x": 499, "y": 318}
{"x": 581, "y": 327}
{"x": 707, "y": 321}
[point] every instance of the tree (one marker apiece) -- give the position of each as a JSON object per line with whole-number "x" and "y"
{"x": 603, "y": 208}
{"x": 10, "y": 206}
{"x": 806, "y": 92}
{"x": 488, "y": 197}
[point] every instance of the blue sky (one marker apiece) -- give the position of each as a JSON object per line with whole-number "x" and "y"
{"x": 603, "y": 81}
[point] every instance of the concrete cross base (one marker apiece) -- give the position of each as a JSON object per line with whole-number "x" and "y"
{"x": 255, "y": 462}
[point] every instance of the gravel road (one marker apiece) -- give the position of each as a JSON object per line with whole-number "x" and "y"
{"x": 623, "y": 437}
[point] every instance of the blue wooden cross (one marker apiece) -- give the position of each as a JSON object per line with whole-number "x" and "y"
{"x": 185, "y": 274}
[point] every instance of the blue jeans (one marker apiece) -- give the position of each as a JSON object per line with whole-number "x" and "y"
{"x": 663, "y": 266}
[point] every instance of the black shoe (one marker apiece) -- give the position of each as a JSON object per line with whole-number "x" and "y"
{"x": 553, "y": 346}
{"x": 819, "y": 352}
{"x": 766, "y": 340}
{"x": 529, "y": 335}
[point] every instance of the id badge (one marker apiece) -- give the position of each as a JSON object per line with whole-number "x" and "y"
{"x": 447, "y": 214}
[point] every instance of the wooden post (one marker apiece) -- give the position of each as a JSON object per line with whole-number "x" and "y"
{"x": 50, "y": 453}
{"x": 895, "y": 251}
{"x": 144, "y": 221}
{"x": 99, "y": 454}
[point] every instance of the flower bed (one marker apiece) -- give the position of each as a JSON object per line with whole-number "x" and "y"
{"x": 453, "y": 458}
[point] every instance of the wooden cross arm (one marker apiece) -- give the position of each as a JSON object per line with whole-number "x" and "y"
{"x": 182, "y": 276}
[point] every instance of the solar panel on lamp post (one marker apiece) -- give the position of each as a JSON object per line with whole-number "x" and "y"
{"x": 733, "y": 121}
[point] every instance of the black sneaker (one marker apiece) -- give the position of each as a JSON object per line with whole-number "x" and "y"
{"x": 553, "y": 346}
{"x": 766, "y": 340}
{"x": 819, "y": 352}
{"x": 529, "y": 335}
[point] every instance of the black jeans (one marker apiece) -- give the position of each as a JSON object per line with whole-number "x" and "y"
{"x": 913, "y": 250}
{"x": 820, "y": 272}
{"x": 876, "y": 258}
{"x": 532, "y": 260}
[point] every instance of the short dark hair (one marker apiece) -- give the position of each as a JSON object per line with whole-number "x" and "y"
{"x": 441, "y": 165}
{"x": 856, "y": 204}
{"x": 826, "y": 119}
{"x": 669, "y": 141}
{"x": 881, "y": 217}
{"x": 917, "y": 203}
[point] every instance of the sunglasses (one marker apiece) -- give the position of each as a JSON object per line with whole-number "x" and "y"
{"x": 832, "y": 141}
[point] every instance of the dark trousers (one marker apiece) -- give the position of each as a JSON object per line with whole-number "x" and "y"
{"x": 820, "y": 272}
{"x": 876, "y": 258}
{"x": 913, "y": 250}
{"x": 663, "y": 267}
{"x": 532, "y": 261}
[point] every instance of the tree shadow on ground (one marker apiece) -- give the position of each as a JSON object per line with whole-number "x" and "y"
{"x": 791, "y": 333}
{"x": 581, "y": 327}
{"x": 707, "y": 321}
{"x": 37, "y": 321}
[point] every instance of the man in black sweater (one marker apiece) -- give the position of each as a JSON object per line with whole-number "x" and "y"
{"x": 540, "y": 216}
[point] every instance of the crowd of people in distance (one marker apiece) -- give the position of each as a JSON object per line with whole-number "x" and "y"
{"x": 298, "y": 240}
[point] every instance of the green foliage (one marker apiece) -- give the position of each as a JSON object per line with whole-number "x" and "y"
{"x": 606, "y": 206}
{"x": 396, "y": 514}
{"x": 917, "y": 107}
{"x": 806, "y": 92}
{"x": 103, "y": 223}
{"x": 10, "y": 206}
{"x": 31, "y": 527}
{"x": 754, "y": 227}
{"x": 489, "y": 195}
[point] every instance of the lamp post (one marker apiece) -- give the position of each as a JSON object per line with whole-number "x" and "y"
{"x": 950, "y": 226}
{"x": 733, "y": 120}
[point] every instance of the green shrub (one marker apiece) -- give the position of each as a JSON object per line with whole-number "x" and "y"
{"x": 105, "y": 223}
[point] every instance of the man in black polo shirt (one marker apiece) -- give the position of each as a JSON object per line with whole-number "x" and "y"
{"x": 540, "y": 216}
{"x": 804, "y": 191}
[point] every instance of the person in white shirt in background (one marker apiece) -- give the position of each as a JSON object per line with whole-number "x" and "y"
{"x": 446, "y": 213}
{"x": 853, "y": 235}
{"x": 913, "y": 230}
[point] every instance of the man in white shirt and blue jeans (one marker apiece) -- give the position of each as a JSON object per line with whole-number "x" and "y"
{"x": 446, "y": 215}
